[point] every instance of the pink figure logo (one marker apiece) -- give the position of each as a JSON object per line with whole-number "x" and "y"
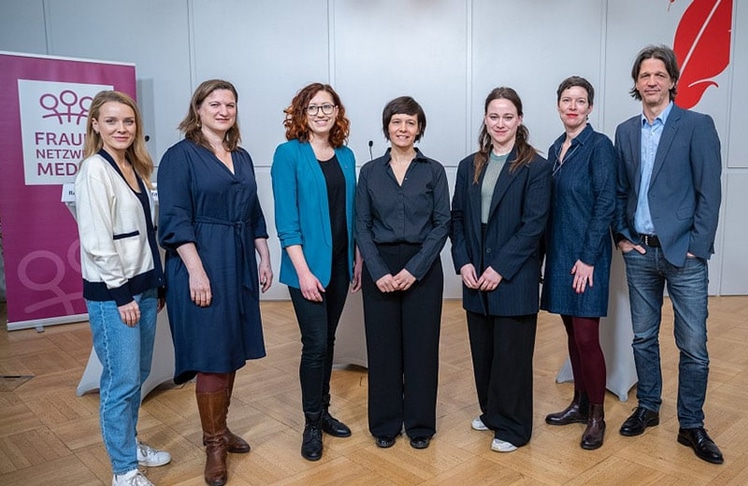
{"x": 66, "y": 106}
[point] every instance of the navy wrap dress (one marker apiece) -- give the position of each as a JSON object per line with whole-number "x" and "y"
{"x": 582, "y": 206}
{"x": 202, "y": 202}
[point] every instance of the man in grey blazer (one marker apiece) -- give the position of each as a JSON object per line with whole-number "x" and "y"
{"x": 667, "y": 210}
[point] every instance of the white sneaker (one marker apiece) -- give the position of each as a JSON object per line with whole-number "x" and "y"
{"x": 477, "y": 424}
{"x": 150, "y": 457}
{"x": 499, "y": 445}
{"x": 131, "y": 478}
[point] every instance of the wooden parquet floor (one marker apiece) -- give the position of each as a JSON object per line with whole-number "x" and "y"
{"x": 48, "y": 436}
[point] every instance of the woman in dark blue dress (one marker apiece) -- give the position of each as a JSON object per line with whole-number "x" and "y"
{"x": 211, "y": 224}
{"x": 578, "y": 242}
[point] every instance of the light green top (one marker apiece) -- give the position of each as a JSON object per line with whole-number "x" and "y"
{"x": 493, "y": 169}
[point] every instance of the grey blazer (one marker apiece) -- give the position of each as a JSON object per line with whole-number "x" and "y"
{"x": 684, "y": 192}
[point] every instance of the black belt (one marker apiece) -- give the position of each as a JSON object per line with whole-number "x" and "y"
{"x": 651, "y": 241}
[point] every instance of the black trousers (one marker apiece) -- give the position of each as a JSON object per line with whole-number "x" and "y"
{"x": 502, "y": 350}
{"x": 402, "y": 342}
{"x": 318, "y": 322}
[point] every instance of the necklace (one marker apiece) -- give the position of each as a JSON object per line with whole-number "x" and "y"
{"x": 558, "y": 163}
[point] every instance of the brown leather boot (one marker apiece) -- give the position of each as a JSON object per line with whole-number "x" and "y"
{"x": 592, "y": 438}
{"x": 576, "y": 413}
{"x": 213, "y": 407}
{"x": 235, "y": 444}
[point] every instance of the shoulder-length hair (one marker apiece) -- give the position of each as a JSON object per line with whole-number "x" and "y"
{"x": 190, "y": 126}
{"x": 664, "y": 54}
{"x": 137, "y": 153}
{"x": 525, "y": 151}
{"x": 297, "y": 121}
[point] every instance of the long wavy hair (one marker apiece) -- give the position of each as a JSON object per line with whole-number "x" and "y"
{"x": 297, "y": 121}
{"x": 137, "y": 153}
{"x": 191, "y": 127}
{"x": 525, "y": 151}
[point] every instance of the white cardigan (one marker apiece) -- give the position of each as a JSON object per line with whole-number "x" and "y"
{"x": 117, "y": 261}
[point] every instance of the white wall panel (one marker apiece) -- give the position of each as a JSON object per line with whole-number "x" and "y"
{"x": 151, "y": 34}
{"x": 22, "y": 26}
{"x": 737, "y": 146}
{"x": 734, "y": 269}
{"x": 269, "y": 49}
{"x": 390, "y": 48}
{"x": 532, "y": 49}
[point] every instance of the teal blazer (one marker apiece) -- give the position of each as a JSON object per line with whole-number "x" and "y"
{"x": 302, "y": 214}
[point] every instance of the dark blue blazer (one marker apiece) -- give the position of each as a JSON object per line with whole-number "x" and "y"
{"x": 517, "y": 218}
{"x": 684, "y": 192}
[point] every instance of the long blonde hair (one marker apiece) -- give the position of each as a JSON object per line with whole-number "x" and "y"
{"x": 137, "y": 153}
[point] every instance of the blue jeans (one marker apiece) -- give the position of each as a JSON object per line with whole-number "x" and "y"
{"x": 125, "y": 354}
{"x": 687, "y": 287}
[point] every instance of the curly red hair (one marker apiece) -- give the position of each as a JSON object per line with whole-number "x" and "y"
{"x": 297, "y": 122}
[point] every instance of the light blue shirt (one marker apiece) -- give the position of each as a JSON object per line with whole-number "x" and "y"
{"x": 650, "y": 140}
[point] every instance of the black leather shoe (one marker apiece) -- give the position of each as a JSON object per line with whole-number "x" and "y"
{"x": 333, "y": 426}
{"x": 638, "y": 421}
{"x": 419, "y": 442}
{"x": 703, "y": 445}
{"x": 385, "y": 442}
{"x": 311, "y": 445}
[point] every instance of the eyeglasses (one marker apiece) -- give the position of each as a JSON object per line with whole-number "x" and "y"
{"x": 327, "y": 109}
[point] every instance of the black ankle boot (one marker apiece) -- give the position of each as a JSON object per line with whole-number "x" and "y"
{"x": 593, "y": 435}
{"x": 311, "y": 444}
{"x": 576, "y": 413}
{"x": 331, "y": 425}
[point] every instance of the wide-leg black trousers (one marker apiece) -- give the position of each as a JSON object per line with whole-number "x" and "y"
{"x": 402, "y": 342}
{"x": 502, "y": 350}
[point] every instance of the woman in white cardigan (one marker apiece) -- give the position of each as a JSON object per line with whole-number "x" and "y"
{"x": 122, "y": 274}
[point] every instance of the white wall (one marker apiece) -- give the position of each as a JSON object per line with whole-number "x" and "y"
{"x": 446, "y": 53}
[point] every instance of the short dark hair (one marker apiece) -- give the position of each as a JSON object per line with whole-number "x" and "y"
{"x": 579, "y": 81}
{"x": 664, "y": 54}
{"x": 404, "y": 105}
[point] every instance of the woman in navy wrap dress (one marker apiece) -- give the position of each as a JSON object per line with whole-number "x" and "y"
{"x": 211, "y": 224}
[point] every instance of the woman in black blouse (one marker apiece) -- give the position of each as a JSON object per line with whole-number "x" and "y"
{"x": 402, "y": 222}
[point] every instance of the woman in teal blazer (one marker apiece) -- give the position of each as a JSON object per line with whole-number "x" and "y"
{"x": 314, "y": 181}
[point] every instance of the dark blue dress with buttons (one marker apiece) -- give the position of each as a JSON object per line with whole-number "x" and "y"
{"x": 202, "y": 202}
{"x": 582, "y": 207}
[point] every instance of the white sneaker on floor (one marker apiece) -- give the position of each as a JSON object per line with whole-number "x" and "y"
{"x": 477, "y": 424}
{"x": 150, "y": 457}
{"x": 131, "y": 478}
{"x": 499, "y": 445}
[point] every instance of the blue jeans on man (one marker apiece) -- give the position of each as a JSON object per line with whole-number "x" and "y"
{"x": 647, "y": 276}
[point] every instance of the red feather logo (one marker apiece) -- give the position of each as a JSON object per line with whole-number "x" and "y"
{"x": 702, "y": 46}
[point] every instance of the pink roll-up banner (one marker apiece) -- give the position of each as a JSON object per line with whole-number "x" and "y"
{"x": 45, "y": 104}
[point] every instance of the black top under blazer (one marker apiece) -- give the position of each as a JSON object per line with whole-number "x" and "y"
{"x": 516, "y": 221}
